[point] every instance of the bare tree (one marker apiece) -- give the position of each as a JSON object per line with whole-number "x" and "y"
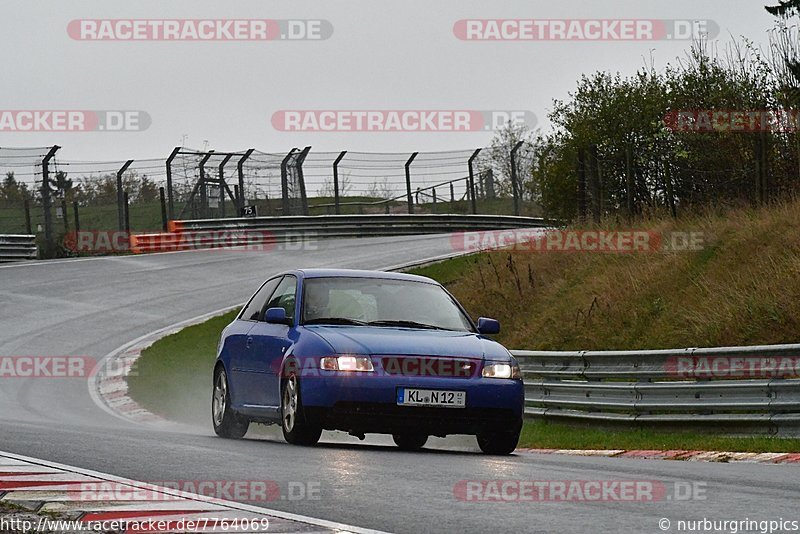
{"x": 381, "y": 189}
{"x": 345, "y": 186}
{"x": 498, "y": 158}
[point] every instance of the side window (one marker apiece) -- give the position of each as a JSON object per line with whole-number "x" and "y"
{"x": 284, "y": 296}
{"x": 252, "y": 312}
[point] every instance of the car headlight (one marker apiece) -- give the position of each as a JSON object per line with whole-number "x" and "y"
{"x": 501, "y": 370}
{"x": 346, "y": 363}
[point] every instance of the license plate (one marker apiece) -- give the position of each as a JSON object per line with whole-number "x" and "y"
{"x": 431, "y": 397}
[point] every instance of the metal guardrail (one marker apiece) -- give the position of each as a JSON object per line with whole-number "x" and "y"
{"x": 17, "y": 247}
{"x": 231, "y": 232}
{"x": 729, "y": 386}
{"x": 357, "y": 225}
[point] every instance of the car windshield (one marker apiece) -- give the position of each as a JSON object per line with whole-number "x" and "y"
{"x": 381, "y": 302}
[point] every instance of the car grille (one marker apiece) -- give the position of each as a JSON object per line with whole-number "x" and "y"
{"x": 413, "y": 366}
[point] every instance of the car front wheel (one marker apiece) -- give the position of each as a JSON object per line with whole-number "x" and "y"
{"x": 498, "y": 443}
{"x": 227, "y": 424}
{"x": 297, "y": 430}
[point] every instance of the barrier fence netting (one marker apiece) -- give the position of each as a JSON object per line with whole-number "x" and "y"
{"x": 195, "y": 183}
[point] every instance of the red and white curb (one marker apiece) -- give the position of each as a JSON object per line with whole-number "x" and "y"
{"x": 680, "y": 455}
{"x": 108, "y": 386}
{"x": 49, "y": 488}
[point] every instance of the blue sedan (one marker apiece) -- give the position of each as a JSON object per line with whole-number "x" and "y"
{"x": 365, "y": 352}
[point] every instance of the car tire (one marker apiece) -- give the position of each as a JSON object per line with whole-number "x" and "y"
{"x": 227, "y": 424}
{"x": 410, "y": 442}
{"x": 297, "y": 430}
{"x": 498, "y": 443}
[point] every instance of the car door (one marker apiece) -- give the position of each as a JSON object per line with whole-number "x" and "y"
{"x": 244, "y": 378}
{"x": 270, "y": 342}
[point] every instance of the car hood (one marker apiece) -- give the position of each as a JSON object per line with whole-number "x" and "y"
{"x": 405, "y": 341}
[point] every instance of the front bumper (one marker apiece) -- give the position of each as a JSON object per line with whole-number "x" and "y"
{"x": 367, "y": 404}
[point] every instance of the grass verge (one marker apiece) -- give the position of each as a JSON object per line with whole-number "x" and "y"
{"x": 548, "y": 435}
{"x": 741, "y": 288}
{"x": 172, "y": 377}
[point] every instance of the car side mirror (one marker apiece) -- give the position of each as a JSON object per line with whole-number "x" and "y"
{"x": 488, "y": 326}
{"x": 276, "y": 316}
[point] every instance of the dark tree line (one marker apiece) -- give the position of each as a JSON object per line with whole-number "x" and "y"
{"x": 618, "y": 131}
{"x": 86, "y": 190}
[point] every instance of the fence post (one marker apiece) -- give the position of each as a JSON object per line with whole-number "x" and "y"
{"x": 301, "y": 179}
{"x": 337, "y": 208}
{"x": 120, "y": 209}
{"x": 127, "y": 215}
{"x": 163, "y": 209}
{"x": 515, "y": 189}
{"x": 408, "y": 182}
{"x": 171, "y": 204}
{"x": 285, "y": 183}
{"x": 76, "y": 217}
{"x": 202, "y": 185}
{"x": 28, "y": 227}
{"x": 49, "y": 244}
{"x": 472, "y": 193}
{"x": 222, "y": 184}
{"x": 240, "y": 172}
{"x": 489, "y": 186}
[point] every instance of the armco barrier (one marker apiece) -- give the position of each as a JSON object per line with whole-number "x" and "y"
{"x": 190, "y": 234}
{"x": 735, "y": 387}
{"x": 397, "y": 224}
{"x": 17, "y": 247}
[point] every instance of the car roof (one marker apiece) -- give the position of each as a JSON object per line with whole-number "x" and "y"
{"x": 355, "y": 273}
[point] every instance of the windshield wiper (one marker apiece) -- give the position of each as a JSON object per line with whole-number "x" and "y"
{"x": 406, "y": 324}
{"x": 335, "y": 320}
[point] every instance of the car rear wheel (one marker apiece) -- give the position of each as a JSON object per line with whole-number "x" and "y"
{"x": 297, "y": 430}
{"x": 227, "y": 424}
{"x": 498, "y": 443}
{"x": 410, "y": 442}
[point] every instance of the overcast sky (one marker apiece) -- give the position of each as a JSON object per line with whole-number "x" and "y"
{"x": 382, "y": 55}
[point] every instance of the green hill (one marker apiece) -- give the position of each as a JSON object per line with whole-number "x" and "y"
{"x": 741, "y": 287}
